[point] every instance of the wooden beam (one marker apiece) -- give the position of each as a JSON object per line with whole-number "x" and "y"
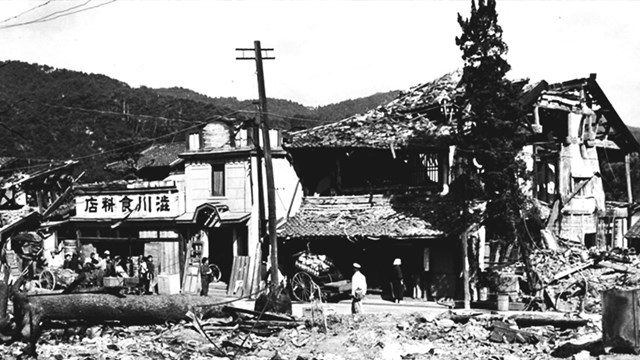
{"x": 465, "y": 270}
{"x": 627, "y": 171}
{"x": 576, "y": 190}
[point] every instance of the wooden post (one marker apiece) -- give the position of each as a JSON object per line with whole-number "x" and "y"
{"x": 465, "y": 270}
{"x": 627, "y": 168}
{"x": 266, "y": 141}
{"x": 264, "y": 125}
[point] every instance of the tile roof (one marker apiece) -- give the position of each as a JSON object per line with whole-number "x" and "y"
{"x": 160, "y": 154}
{"x": 401, "y": 123}
{"x": 364, "y": 216}
{"x": 9, "y": 217}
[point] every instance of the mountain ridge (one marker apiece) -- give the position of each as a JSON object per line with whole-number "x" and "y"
{"x": 53, "y": 113}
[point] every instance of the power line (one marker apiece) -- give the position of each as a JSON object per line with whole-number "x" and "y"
{"x": 119, "y": 114}
{"x": 62, "y": 13}
{"x": 91, "y": 155}
{"x": 149, "y": 140}
{"x": 26, "y": 12}
{"x": 289, "y": 117}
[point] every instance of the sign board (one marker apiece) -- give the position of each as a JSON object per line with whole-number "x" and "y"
{"x": 133, "y": 206}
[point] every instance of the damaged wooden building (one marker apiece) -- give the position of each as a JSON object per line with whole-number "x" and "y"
{"x": 367, "y": 180}
{"x": 193, "y": 199}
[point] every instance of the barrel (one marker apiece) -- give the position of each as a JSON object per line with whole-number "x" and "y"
{"x": 70, "y": 246}
{"x": 503, "y": 302}
{"x": 621, "y": 319}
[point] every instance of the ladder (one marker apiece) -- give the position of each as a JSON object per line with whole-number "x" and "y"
{"x": 191, "y": 277}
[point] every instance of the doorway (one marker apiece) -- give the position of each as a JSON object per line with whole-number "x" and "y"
{"x": 221, "y": 250}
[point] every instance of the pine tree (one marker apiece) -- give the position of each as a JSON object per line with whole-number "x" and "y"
{"x": 490, "y": 125}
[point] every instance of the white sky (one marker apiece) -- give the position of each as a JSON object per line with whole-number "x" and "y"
{"x": 326, "y": 51}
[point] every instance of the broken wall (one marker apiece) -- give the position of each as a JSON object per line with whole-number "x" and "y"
{"x": 580, "y": 186}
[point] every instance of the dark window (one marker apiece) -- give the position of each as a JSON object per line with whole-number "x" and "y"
{"x": 217, "y": 180}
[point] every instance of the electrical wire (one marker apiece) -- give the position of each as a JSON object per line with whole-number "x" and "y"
{"x": 90, "y": 155}
{"x": 119, "y": 114}
{"x": 62, "y": 13}
{"x": 26, "y": 12}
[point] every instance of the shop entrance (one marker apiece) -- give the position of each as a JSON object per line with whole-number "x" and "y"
{"x": 221, "y": 250}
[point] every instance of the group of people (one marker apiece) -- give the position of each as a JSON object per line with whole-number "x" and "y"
{"x": 96, "y": 268}
{"x": 359, "y": 286}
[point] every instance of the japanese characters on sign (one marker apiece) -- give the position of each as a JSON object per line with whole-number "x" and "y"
{"x": 131, "y": 205}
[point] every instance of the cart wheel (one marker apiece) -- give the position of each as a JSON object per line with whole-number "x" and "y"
{"x": 302, "y": 286}
{"x": 47, "y": 280}
{"x": 216, "y": 274}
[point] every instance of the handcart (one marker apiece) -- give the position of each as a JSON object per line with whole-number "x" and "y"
{"x": 316, "y": 278}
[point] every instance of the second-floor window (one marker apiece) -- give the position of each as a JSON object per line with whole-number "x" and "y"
{"x": 217, "y": 180}
{"x": 194, "y": 142}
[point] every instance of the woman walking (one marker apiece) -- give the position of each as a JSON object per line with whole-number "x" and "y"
{"x": 397, "y": 282}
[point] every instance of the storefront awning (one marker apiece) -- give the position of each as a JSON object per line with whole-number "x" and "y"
{"x": 213, "y": 215}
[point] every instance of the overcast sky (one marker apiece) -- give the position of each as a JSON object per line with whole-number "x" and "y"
{"x": 326, "y": 51}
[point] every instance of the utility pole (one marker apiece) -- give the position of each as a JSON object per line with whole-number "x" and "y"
{"x": 264, "y": 125}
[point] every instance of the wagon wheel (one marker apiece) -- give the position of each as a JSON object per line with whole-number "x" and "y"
{"x": 215, "y": 272}
{"x": 302, "y": 286}
{"x": 47, "y": 280}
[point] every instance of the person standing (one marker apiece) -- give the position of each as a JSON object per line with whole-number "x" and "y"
{"x": 205, "y": 277}
{"x": 151, "y": 284}
{"x": 67, "y": 262}
{"x": 397, "y": 281}
{"x": 143, "y": 274}
{"x": 358, "y": 289}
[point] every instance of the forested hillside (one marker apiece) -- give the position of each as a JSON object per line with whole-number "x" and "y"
{"x": 48, "y": 113}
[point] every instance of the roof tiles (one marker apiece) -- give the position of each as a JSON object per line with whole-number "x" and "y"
{"x": 365, "y": 216}
{"x": 402, "y": 123}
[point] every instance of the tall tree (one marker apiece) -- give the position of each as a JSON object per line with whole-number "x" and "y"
{"x": 490, "y": 125}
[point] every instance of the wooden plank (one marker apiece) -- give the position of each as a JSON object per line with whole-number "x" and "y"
{"x": 579, "y": 187}
{"x": 267, "y": 315}
{"x": 239, "y": 283}
{"x": 191, "y": 277}
{"x": 232, "y": 277}
{"x": 572, "y": 270}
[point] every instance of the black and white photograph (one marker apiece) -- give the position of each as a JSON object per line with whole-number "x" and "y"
{"x": 319, "y": 180}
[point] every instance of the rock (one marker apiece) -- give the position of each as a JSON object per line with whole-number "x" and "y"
{"x": 445, "y": 323}
{"x": 582, "y": 355}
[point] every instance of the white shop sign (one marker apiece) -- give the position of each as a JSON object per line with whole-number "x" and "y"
{"x": 131, "y": 205}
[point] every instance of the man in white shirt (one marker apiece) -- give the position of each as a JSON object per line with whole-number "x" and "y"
{"x": 358, "y": 289}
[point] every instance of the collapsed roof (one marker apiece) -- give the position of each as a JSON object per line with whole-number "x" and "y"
{"x": 366, "y": 216}
{"x": 422, "y": 116}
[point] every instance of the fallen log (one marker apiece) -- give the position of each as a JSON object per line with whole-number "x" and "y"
{"x": 92, "y": 307}
{"x": 31, "y": 312}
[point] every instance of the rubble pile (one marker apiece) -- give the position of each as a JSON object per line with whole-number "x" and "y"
{"x": 370, "y": 336}
{"x": 573, "y": 279}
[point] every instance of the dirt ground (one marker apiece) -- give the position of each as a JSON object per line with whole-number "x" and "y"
{"x": 368, "y": 336}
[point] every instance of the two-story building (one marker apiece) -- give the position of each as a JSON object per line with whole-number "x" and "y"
{"x": 223, "y": 167}
{"x": 367, "y": 180}
{"x": 208, "y": 205}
